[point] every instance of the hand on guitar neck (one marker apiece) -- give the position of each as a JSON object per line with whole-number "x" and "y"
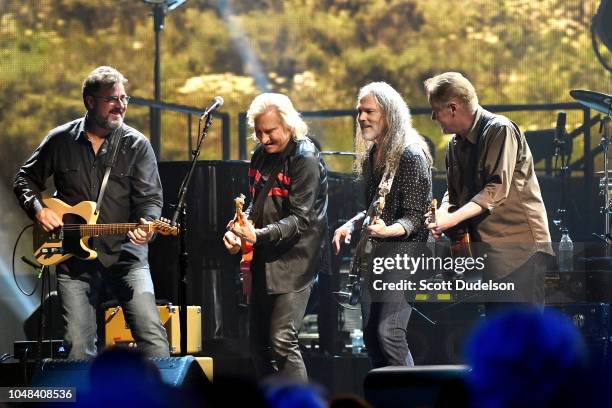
{"x": 449, "y": 217}
{"x": 240, "y": 237}
{"x": 139, "y": 236}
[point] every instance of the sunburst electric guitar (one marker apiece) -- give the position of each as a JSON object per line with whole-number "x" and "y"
{"x": 51, "y": 248}
{"x": 246, "y": 247}
{"x": 460, "y": 239}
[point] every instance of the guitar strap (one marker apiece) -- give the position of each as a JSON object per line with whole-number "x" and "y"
{"x": 116, "y": 136}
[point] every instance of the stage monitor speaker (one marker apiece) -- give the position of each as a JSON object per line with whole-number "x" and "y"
{"x": 442, "y": 342}
{"x": 178, "y": 372}
{"x": 421, "y": 386}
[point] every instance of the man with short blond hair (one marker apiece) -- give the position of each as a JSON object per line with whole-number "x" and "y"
{"x": 492, "y": 186}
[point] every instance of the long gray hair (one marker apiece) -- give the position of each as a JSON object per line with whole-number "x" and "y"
{"x": 399, "y": 132}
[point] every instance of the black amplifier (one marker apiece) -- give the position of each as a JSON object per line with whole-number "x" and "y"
{"x": 28, "y": 350}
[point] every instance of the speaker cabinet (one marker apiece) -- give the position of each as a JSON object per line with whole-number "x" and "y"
{"x": 423, "y": 386}
{"x": 177, "y": 372}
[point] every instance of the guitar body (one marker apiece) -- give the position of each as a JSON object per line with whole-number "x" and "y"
{"x": 51, "y": 248}
{"x": 460, "y": 243}
{"x": 245, "y": 267}
{"x": 460, "y": 240}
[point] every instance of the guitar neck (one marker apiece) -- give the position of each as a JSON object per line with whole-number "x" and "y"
{"x": 87, "y": 230}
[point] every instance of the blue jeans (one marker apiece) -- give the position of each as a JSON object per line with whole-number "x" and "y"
{"x": 78, "y": 290}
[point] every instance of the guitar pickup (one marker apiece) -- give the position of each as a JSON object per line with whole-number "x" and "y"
{"x": 56, "y": 250}
{"x": 59, "y": 235}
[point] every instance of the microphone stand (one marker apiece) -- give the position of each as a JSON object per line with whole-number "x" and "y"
{"x": 563, "y": 150}
{"x": 605, "y": 185}
{"x": 180, "y": 210}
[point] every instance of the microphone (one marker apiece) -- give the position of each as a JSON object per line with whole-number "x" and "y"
{"x": 217, "y": 102}
{"x": 560, "y": 133}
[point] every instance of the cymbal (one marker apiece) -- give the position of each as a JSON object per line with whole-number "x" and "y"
{"x": 594, "y": 100}
{"x": 601, "y": 173}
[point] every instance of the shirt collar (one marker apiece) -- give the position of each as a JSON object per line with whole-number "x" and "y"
{"x": 80, "y": 130}
{"x": 472, "y": 135}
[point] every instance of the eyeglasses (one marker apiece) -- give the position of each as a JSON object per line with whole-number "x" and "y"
{"x": 114, "y": 100}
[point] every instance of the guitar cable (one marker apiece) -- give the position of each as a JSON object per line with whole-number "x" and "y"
{"x": 13, "y": 263}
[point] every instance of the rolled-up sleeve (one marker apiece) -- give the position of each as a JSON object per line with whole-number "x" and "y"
{"x": 501, "y": 154}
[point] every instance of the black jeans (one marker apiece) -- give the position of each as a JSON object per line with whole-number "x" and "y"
{"x": 274, "y": 322}
{"x": 384, "y": 331}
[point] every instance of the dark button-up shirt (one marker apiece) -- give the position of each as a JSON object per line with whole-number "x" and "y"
{"x": 133, "y": 191}
{"x": 501, "y": 180}
{"x": 409, "y": 197}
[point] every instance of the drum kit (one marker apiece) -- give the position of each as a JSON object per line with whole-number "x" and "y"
{"x": 601, "y": 103}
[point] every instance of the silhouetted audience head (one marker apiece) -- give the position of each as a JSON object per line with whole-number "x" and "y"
{"x": 125, "y": 377}
{"x": 526, "y": 358}
{"x": 293, "y": 395}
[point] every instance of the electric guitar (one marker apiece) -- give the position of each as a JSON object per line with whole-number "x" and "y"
{"x": 350, "y": 294}
{"x": 246, "y": 247}
{"x": 459, "y": 237}
{"x": 460, "y": 240}
{"x": 51, "y": 248}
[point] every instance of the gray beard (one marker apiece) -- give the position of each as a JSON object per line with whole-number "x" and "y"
{"x": 107, "y": 124}
{"x": 114, "y": 125}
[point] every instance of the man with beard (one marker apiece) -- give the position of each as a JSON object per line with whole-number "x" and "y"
{"x": 390, "y": 150}
{"x": 76, "y": 154}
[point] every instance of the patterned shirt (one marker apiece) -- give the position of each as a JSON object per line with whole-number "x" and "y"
{"x": 410, "y": 195}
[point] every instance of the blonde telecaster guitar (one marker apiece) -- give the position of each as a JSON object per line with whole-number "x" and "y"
{"x": 51, "y": 248}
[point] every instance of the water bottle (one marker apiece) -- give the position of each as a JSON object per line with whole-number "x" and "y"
{"x": 357, "y": 341}
{"x": 566, "y": 253}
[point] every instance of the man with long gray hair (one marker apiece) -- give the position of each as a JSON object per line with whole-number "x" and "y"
{"x": 286, "y": 221}
{"x": 389, "y": 150}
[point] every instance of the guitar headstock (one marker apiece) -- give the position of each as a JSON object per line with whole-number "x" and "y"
{"x": 164, "y": 227}
{"x": 239, "y": 202}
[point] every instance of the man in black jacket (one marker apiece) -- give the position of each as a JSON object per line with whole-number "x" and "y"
{"x": 76, "y": 155}
{"x": 285, "y": 229}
